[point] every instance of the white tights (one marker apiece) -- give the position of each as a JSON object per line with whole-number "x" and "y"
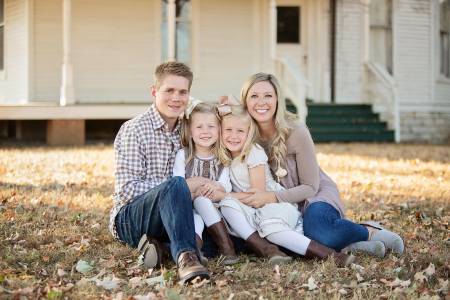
{"x": 205, "y": 213}
{"x": 289, "y": 239}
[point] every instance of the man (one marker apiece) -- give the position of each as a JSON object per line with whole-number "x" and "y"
{"x": 150, "y": 206}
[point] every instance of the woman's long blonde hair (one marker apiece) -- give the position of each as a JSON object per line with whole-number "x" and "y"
{"x": 240, "y": 112}
{"x": 283, "y": 119}
{"x": 186, "y": 137}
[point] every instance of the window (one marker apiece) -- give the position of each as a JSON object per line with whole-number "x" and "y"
{"x": 288, "y": 24}
{"x": 2, "y": 35}
{"x": 182, "y": 31}
{"x": 381, "y": 33}
{"x": 444, "y": 38}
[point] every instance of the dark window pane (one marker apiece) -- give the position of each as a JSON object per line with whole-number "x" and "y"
{"x": 288, "y": 24}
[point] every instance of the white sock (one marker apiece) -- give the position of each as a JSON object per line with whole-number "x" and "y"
{"x": 198, "y": 224}
{"x": 238, "y": 222}
{"x": 206, "y": 209}
{"x": 291, "y": 240}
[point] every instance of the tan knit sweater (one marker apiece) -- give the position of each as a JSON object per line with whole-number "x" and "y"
{"x": 305, "y": 180}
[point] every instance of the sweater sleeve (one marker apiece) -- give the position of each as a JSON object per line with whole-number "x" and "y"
{"x": 300, "y": 144}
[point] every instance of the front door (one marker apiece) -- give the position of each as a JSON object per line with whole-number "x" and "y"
{"x": 292, "y": 32}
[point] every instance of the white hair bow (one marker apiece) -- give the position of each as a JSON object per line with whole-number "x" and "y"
{"x": 190, "y": 107}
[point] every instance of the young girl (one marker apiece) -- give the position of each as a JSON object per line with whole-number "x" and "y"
{"x": 249, "y": 171}
{"x": 200, "y": 139}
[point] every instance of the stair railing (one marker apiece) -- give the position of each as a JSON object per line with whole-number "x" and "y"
{"x": 293, "y": 83}
{"x": 382, "y": 92}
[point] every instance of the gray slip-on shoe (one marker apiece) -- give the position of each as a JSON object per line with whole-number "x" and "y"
{"x": 390, "y": 239}
{"x": 375, "y": 248}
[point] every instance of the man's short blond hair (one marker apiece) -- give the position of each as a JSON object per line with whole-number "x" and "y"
{"x": 172, "y": 68}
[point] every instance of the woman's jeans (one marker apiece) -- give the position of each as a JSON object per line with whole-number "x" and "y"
{"x": 323, "y": 223}
{"x": 164, "y": 213}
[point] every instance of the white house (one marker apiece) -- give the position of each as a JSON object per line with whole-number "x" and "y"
{"x": 77, "y": 60}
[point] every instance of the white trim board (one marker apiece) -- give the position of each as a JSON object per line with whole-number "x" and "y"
{"x": 76, "y": 112}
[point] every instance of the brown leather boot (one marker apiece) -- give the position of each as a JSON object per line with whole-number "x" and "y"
{"x": 316, "y": 250}
{"x": 189, "y": 267}
{"x": 220, "y": 235}
{"x": 199, "y": 242}
{"x": 263, "y": 248}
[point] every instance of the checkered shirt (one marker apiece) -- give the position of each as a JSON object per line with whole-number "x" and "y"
{"x": 145, "y": 153}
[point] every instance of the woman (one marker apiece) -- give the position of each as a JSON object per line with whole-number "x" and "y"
{"x": 293, "y": 162}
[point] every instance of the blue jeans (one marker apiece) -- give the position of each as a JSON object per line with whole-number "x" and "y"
{"x": 323, "y": 223}
{"x": 164, "y": 213}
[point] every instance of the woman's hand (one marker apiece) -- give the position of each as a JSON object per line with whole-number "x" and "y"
{"x": 259, "y": 198}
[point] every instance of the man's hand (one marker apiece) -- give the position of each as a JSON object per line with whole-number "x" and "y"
{"x": 259, "y": 198}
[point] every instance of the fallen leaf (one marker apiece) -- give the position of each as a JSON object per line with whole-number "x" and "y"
{"x": 149, "y": 296}
{"x": 83, "y": 267}
{"x": 430, "y": 270}
{"x": 136, "y": 282}
{"x": 311, "y": 284}
{"x": 276, "y": 269}
{"x": 221, "y": 283}
{"x": 155, "y": 280}
{"x": 61, "y": 273}
{"x": 420, "y": 277}
{"x": 342, "y": 291}
{"x": 444, "y": 286}
{"x": 108, "y": 283}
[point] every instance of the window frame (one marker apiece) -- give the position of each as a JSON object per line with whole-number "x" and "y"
{"x": 2, "y": 43}
{"x": 442, "y": 32}
{"x": 386, "y": 28}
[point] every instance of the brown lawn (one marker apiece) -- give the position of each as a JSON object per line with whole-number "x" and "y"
{"x": 54, "y": 207}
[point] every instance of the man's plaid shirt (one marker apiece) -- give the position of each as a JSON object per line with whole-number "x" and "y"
{"x": 145, "y": 153}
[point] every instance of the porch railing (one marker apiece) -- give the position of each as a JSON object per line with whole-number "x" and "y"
{"x": 293, "y": 83}
{"x": 382, "y": 92}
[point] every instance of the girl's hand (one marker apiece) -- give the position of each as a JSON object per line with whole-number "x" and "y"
{"x": 259, "y": 199}
{"x": 208, "y": 188}
{"x": 217, "y": 196}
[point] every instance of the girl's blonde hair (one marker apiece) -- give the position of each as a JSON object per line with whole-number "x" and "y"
{"x": 186, "y": 137}
{"x": 283, "y": 119}
{"x": 238, "y": 111}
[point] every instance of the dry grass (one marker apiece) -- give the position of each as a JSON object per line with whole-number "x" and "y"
{"x": 54, "y": 205}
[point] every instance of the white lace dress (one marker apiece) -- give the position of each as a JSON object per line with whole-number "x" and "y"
{"x": 272, "y": 217}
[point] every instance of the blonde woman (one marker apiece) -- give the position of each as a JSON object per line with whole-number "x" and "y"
{"x": 293, "y": 160}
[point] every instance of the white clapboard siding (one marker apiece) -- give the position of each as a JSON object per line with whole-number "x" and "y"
{"x": 47, "y": 50}
{"x": 349, "y": 51}
{"x": 14, "y": 80}
{"x": 424, "y": 104}
{"x": 226, "y": 48}
{"x": 116, "y": 47}
{"x": 412, "y": 66}
{"x": 442, "y": 94}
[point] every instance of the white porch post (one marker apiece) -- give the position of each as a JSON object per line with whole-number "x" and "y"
{"x": 171, "y": 29}
{"x": 273, "y": 29}
{"x": 366, "y": 30}
{"x": 67, "y": 96}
